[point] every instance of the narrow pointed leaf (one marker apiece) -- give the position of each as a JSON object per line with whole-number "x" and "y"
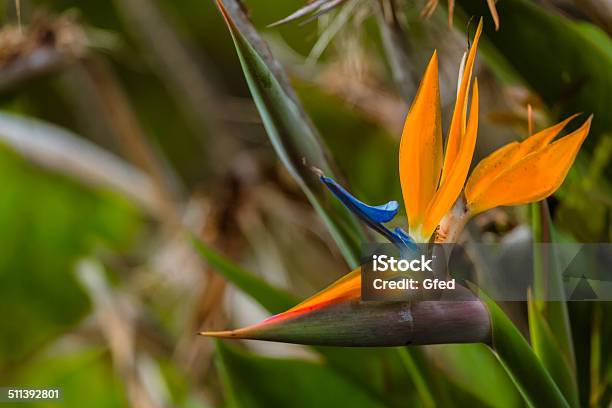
{"x": 421, "y": 384}
{"x": 273, "y": 299}
{"x": 548, "y": 280}
{"x": 326, "y": 8}
{"x": 546, "y": 347}
{"x": 524, "y": 367}
{"x": 292, "y": 134}
{"x": 549, "y": 325}
{"x": 299, "y": 13}
{"x": 458, "y": 362}
{"x": 420, "y": 156}
{"x": 398, "y": 51}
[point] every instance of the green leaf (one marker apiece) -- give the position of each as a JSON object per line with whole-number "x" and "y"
{"x": 291, "y": 132}
{"x": 411, "y": 363}
{"x": 545, "y": 316}
{"x": 383, "y": 372}
{"x": 524, "y": 367}
{"x": 545, "y": 345}
{"x": 593, "y": 345}
{"x": 253, "y": 381}
{"x": 459, "y": 360}
{"x": 548, "y": 280}
{"x": 272, "y": 299}
{"x": 598, "y": 359}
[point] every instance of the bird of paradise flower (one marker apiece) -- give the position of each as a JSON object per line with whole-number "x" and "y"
{"x": 438, "y": 203}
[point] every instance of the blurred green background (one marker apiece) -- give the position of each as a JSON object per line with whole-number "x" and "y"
{"x": 124, "y": 123}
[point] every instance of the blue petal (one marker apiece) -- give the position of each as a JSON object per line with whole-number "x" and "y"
{"x": 405, "y": 238}
{"x": 376, "y": 214}
{"x": 373, "y": 216}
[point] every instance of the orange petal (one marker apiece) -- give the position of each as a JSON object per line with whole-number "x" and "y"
{"x": 494, "y": 15}
{"x": 489, "y": 169}
{"x": 347, "y": 287}
{"x": 420, "y": 156}
{"x": 542, "y": 138}
{"x": 458, "y": 125}
{"x": 502, "y": 159}
{"x": 449, "y": 191}
{"x": 534, "y": 177}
